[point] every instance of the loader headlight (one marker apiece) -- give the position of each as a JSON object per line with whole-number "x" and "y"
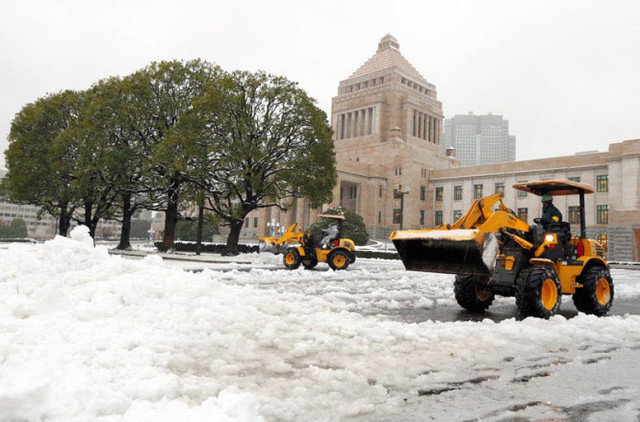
{"x": 549, "y": 238}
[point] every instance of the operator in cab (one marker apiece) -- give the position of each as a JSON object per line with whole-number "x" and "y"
{"x": 550, "y": 214}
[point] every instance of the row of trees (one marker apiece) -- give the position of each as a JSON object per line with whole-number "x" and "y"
{"x": 169, "y": 134}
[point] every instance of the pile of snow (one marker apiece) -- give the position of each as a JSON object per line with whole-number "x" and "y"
{"x": 85, "y": 336}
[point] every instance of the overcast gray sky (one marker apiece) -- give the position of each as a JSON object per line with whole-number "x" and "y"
{"x": 565, "y": 73}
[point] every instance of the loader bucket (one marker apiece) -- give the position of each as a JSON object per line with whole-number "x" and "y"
{"x": 265, "y": 246}
{"x": 460, "y": 251}
{"x": 270, "y": 244}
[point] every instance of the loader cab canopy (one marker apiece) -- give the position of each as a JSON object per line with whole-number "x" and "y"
{"x": 554, "y": 187}
{"x": 331, "y": 216}
{"x": 557, "y": 188}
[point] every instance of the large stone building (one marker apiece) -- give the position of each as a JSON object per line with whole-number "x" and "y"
{"x": 387, "y": 123}
{"x": 480, "y": 139}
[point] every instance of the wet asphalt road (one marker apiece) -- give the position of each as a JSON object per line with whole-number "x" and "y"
{"x": 499, "y": 312}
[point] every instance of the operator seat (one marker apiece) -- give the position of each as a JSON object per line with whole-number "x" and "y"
{"x": 562, "y": 229}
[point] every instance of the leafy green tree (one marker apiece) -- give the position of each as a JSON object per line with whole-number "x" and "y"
{"x": 18, "y": 228}
{"x": 174, "y": 85}
{"x": 40, "y": 170}
{"x": 122, "y": 137}
{"x": 353, "y": 226}
{"x": 92, "y": 180}
{"x": 255, "y": 140}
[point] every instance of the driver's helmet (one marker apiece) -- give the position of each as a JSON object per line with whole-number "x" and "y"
{"x": 547, "y": 198}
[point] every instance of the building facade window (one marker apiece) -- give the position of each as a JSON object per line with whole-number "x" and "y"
{"x": 438, "y": 218}
{"x": 574, "y": 179}
{"x": 380, "y": 191}
{"x": 477, "y": 191}
{"x": 523, "y": 214}
{"x": 500, "y": 188}
{"x": 439, "y": 193}
{"x": 422, "y": 217}
{"x": 521, "y": 193}
{"x": 424, "y": 126}
{"x": 457, "y": 215}
{"x": 602, "y": 214}
{"x": 602, "y": 183}
{"x": 603, "y": 239}
{"x": 457, "y": 193}
{"x": 397, "y": 215}
{"x": 574, "y": 215}
{"x": 398, "y": 171}
{"x": 255, "y": 222}
{"x": 379, "y": 217}
{"x": 356, "y": 123}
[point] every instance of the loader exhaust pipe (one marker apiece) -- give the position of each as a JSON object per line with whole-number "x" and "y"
{"x": 461, "y": 251}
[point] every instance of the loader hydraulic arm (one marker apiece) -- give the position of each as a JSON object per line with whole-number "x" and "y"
{"x": 478, "y": 213}
{"x": 276, "y": 244}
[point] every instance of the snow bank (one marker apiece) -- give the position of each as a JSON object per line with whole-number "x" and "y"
{"x": 85, "y": 335}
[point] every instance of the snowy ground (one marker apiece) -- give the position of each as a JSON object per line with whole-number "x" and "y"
{"x": 89, "y": 336}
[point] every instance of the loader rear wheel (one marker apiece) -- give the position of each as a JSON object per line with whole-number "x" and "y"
{"x": 291, "y": 258}
{"x": 309, "y": 262}
{"x": 596, "y": 294}
{"x": 338, "y": 260}
{"x": 538, "y": 292}
{"x": 472, "y": 293}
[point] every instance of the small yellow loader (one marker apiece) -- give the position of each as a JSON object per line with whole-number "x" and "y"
{"x": 304, "y": 248}
{"x": 492, "y": 252}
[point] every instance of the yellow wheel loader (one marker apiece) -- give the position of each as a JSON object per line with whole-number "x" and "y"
{"x": 492, "y": 252}
{"x": 301, "y": 248}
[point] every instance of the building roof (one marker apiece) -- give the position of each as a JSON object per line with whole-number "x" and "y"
{"x": 388, "y": 56}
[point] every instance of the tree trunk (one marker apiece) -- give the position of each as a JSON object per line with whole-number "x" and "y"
{"x": 171, "y": 217}
{"x": 235, "y": 227}
{"x": 64, "y": 222}
{"x": 125, "y": 232}
{"x": 89, "y": 221}
{"x": 199, "y": 228}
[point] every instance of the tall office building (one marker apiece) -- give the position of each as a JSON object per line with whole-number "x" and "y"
{"x": 480, "y": 139}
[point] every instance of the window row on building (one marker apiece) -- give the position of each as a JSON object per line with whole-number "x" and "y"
{"x": 425, "y": 127}
{"x": 416, "y": 86}
{"x": 363, "y": 85}
{"x": 602, "y": 185}
{"x": 572, "y": 215}
{"x": 356, "y": 123}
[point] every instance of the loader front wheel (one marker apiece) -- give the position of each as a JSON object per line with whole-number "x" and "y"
{"x": 338, "y": 260}
{"x": 291, "y": 258}
{"x": 472, "y": 293}
{"x": 596, "y": 294}
{"x": 538, "y": 292}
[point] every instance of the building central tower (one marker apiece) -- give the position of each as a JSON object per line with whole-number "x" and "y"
{"x": 387, "y": 124}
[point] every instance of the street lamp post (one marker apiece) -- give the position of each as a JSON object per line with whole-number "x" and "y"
{"x": 273, "y": 226}
{"x": 398, "y": 192}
